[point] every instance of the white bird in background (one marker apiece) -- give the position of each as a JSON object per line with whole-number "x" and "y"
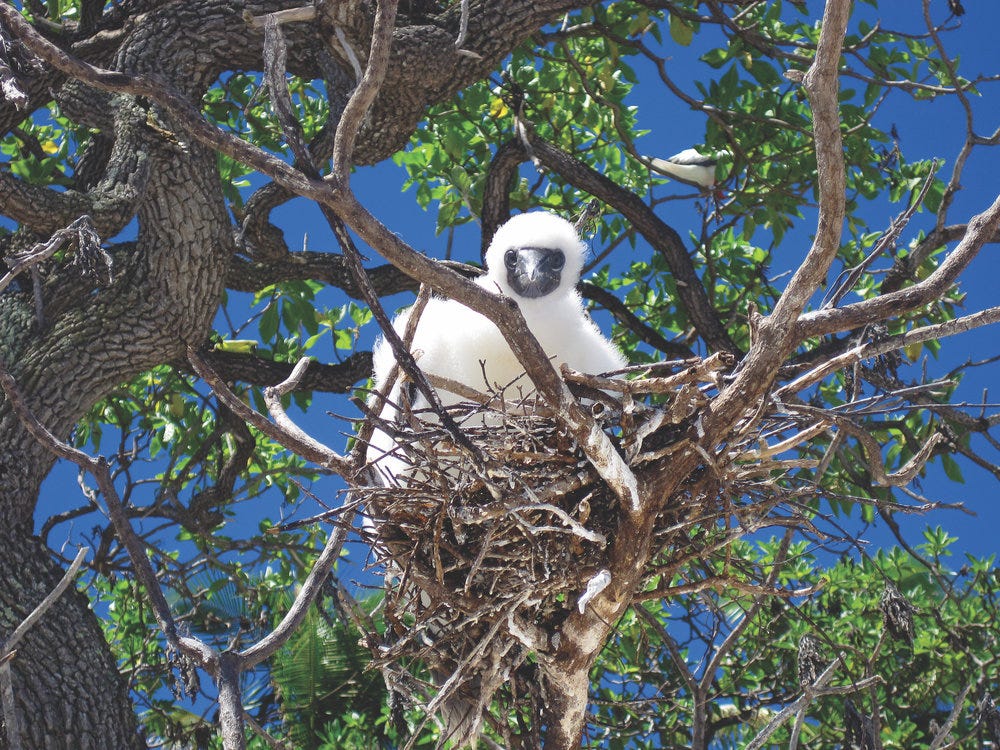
{"x": 689, "y": 167}
{"x": 536, "y": 260}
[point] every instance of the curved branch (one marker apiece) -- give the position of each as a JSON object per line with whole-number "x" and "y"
{"x": 657, "y": 233}
{"x": 253, "y": 275}
{"x": 982, "y": 229}
{"x": 496, "y": 192}
{"x": 247, "y": 368}
{"x": 628, "y": 319}
{"x": 775, "y": 336}
{"x": 111, "y": 204}
{"x": 309, "y": 449}
{"x": 368, "y": 87}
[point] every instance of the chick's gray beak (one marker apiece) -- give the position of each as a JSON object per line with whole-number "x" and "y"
{"x": 533, "y": 272}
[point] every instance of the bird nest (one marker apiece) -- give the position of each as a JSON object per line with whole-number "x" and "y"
{"x": 479, "y": 547}
{"x": 483, "y": 543}
{"x": 528, "y": 517}
{"x": 489, "y": 542}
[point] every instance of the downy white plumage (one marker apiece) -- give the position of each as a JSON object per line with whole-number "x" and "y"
{"x": 535, "y": 259}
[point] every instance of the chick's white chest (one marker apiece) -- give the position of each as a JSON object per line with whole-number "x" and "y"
{"x": 475, "y": 353}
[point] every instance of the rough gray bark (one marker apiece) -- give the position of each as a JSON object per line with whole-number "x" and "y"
{"x": 67, "y": 686}
{"x": 167, "y": 283}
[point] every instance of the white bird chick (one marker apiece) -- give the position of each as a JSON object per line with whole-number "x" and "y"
{"x": 689, "y": 167}
{"x": 535, "y": 259}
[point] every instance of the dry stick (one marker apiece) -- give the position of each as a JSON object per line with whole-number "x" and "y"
{"x": 379, "y": 397}
{"x": 7, "y": 650}
{"x": 349, "y": 52}
{"x": 400, "y": 351}
{"x": 307, "y": 447}
{"x": 865, "y": 351}
{"x": 700, "y": 371}
{"x": 808, "y": 694}
{"x": 289, "y": 15}
{"x": 873, "y": 451}
{"x": 945, "y": 730}
{"x": 851, "y": 275}
{"x": 284, "y": 424}
{"x": 44, "y": 250}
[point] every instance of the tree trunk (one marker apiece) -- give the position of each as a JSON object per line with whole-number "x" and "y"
{"x": 68, "y": 689}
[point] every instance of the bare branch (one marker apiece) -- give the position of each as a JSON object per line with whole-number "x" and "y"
{"x": 363, "y": 96}
{"x": 788, "y": 711}
{"x": 820, "y": 83}
{"x": 306, "y": 447}
{"x": 873, "y": 349}
{"x": 981, "y": 229}
{"x": 311, "y": 587}
{"x": 98, "y": 468}
{"x": 942, "y": 735}
{"x": 289, "y": 15}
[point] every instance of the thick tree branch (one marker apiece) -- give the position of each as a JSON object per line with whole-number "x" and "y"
{"x": 326, "y": 378}
{"x": 363, "y": 96}
{"x": 496, "y": 193}
{"x": 777, "y": 335}
{"x": 253, "y": 275}
{"x": 111, "y": 205}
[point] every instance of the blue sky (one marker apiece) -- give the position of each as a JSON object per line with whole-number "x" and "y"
{"x": 926, "y": 130}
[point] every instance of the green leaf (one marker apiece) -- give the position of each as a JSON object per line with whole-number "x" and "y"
{"x": 680, "y": 31}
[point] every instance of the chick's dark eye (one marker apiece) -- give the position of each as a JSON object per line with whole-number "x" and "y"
{"x": 558, "y": 261}
{"x": 510, "y": 259}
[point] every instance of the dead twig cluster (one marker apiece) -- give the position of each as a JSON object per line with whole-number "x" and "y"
{"x": 483, "y": 567}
